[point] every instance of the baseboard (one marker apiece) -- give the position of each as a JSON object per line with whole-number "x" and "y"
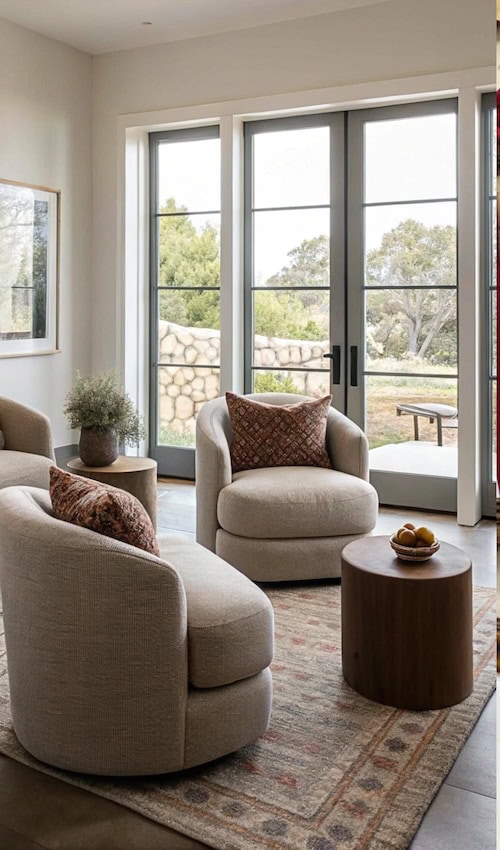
{"x": 64, "y": 453}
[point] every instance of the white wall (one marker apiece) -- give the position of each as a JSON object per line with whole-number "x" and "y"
{"x": 393, "y": 40}
{"x": 45, "y": 120}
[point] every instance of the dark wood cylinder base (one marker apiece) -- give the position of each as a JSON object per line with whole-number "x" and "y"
{"x": 407, "y": 628}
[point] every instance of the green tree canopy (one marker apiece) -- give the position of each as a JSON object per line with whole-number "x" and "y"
{"x": 308, "y": 266}
{"x": 399, "y": 322}
{"x": 188, "y": 257}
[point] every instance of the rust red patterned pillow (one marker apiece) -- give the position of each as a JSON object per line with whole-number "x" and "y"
{"x": 101, "y": 508}
{"x": 278, "y": 435}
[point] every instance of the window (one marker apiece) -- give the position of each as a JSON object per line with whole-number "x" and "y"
{"x": 185, "y": 281}
{"x": 288, "y": 204}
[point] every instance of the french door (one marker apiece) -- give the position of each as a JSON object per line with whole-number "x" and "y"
{"x": 185, "y": 290}
{"x": 402, "y": 311}
{"x": 351, "y": 285}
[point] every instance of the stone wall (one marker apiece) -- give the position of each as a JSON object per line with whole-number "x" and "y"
{"x": 183, "y": 389}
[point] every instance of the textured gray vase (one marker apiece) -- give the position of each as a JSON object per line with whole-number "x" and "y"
{"x": 98, "y": 446}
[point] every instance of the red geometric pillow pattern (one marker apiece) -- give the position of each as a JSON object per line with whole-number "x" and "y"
{"x": 278, "y": 435}
{"x": 101, "y": 508}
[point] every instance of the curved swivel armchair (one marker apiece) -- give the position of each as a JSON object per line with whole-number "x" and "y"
{"x": 28, "y": 453}
{"x": 121, "y": 662}
{"x": 282, "y": 523}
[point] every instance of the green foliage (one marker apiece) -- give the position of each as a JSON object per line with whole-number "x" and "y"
{"x": 169, "y": 437}
{"x": 99, "y": 402}
{"x": 400, "y": 323}
{"x": 267, "y": 382}
{"x": 309, "y": 265}
{"x": 188, "y": 257}
{"x": 413, "y": 321}
{"x": 282, "y": 314}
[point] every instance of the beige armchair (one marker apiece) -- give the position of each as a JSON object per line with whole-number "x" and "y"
{"x": 282, "y": 523}
{"x": 28, "y": 453}
{"x": 120, "y": 662}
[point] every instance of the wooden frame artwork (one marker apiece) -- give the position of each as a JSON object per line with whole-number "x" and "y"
{"x": 29, "y": 269}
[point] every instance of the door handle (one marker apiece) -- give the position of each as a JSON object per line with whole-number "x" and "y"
{"x": 354, "y": 365}
{"x": 334, "y": 356}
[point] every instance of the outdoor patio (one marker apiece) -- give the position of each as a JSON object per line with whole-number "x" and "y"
{"x": 416, "y": 458}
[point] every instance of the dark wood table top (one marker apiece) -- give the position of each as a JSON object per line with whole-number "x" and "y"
{"x": 373, "y": 554}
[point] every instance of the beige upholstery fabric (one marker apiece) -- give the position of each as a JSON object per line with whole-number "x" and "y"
{"x": 295, "y": 501}
{"x": 24, "y": 468}
{"x": 295, "y": 559}
{"x": 273, "y": 560}
{"x": 230, "y": 621}
{"x": 25, "y": 429}
{"x": 29, "y": 451}
{"x": 97, "y": 648}
{"x": 233, "y": 714}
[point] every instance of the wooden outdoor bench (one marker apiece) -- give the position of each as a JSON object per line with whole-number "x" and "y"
{"x": 445, "y": 415}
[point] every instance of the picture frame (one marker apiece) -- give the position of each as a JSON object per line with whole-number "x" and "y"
{"x": 29, "y": 269}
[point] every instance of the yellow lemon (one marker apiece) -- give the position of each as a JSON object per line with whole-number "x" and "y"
{"x": 425, "y": 534}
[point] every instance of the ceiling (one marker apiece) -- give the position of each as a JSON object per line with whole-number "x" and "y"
{"x": 100, "y": 26}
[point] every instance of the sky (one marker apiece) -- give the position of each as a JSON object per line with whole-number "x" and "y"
{"x": 406, "y": 159}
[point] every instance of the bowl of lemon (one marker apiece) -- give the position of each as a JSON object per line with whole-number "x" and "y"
{"x": 414, "y": 544}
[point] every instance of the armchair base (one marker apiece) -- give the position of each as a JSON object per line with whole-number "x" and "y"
{"x": 293, "y": 559}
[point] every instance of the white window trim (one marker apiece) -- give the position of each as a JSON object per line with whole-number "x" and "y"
{"x": 132, "y": 286}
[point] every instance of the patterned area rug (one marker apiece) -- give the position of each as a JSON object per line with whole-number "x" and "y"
{"x": 334, "y": 771}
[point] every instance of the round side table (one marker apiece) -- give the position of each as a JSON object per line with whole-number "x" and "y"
{"x": 136, "y": 475}
{"x": 406, "y": 627}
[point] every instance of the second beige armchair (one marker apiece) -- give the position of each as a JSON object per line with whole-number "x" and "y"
{"x": 28, "y": 453}
{"x": 282, "y": 523}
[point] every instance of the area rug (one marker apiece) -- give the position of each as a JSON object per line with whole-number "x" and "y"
{"x": 334, "y": 771}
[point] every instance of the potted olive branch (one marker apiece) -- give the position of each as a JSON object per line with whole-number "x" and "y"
{"x": 105, "y": 415}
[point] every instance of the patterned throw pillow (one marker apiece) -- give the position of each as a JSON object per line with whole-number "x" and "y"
{"x": 101, "y": 508}
{"x": 2, "y": 440}
{"x": 278, "y": 435}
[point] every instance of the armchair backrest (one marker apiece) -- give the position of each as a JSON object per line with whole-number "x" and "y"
{"x": 96, "y": 631}
{"x": 25, "y": 429}
{"x": 346, "y": 444}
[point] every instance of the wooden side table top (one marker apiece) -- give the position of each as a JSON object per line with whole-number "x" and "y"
{"x": 374, "y": 555}
{"x": 123, "y": 463}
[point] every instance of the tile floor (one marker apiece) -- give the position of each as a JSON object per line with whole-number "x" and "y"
{"x": 39, "y": 812}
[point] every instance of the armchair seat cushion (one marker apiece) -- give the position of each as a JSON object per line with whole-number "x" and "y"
{"x": 24, "y": 468}
{"x": 230, "y": 620}
{"x": 292, "y": 502}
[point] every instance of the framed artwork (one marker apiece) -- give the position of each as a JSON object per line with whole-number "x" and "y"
{"x": 29, "y": 269}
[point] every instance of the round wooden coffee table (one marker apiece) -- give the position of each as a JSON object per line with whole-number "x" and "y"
{"x": 136, "y": 475}
{"x": 407, "y": 628}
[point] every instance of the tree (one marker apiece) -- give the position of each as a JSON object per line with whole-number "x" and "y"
{"x": 412, "y": 255}
{"x": 305, "y": 314}
{"x": 16, "y": 222}
{"x": 188, "y": 257}
{"x": 282, "y": 314}
{"x": 309, "y": 266}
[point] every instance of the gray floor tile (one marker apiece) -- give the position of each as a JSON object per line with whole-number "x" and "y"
{"x": 475, "y": 768}
{"x": 457, "y": 820}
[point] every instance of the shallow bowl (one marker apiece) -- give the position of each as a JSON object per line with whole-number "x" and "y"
{"x": 413, "y": 553}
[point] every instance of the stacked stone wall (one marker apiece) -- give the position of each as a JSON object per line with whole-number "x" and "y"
{"x": 186, "y": 386}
